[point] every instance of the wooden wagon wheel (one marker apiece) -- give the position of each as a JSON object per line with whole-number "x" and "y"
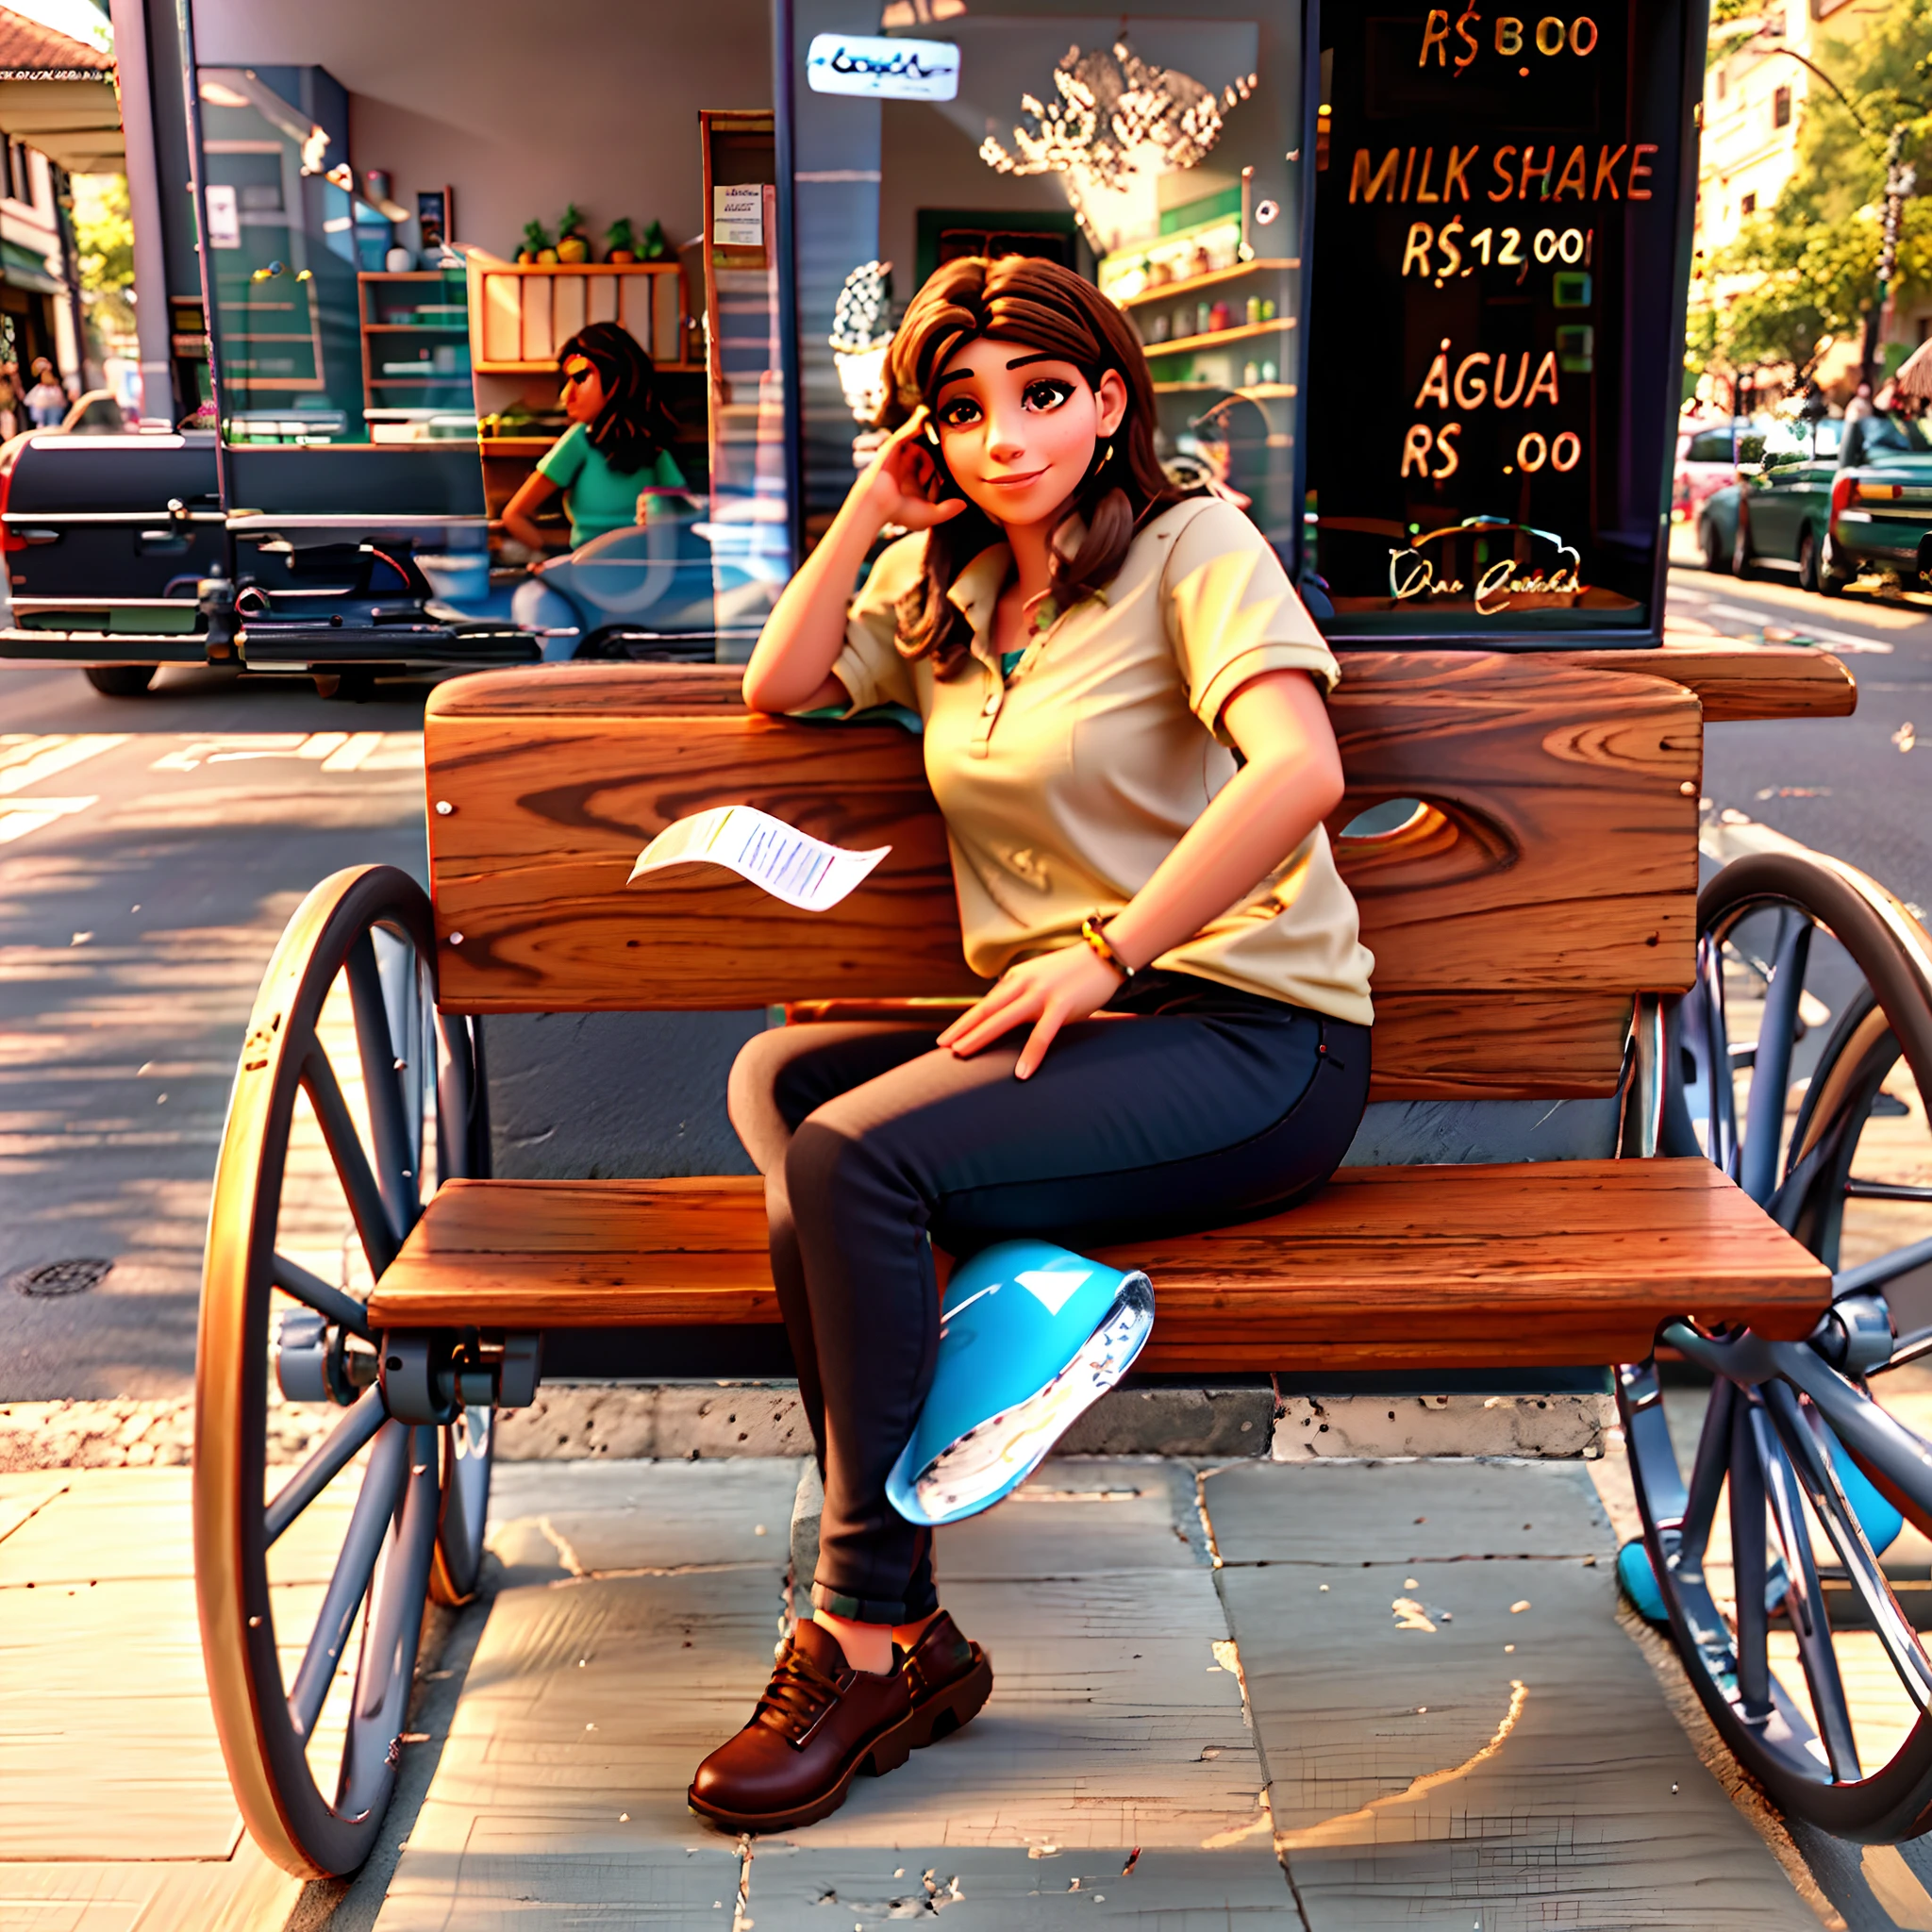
{"x": 1794, "y": 1635}
{"x": 417, "y": 1523}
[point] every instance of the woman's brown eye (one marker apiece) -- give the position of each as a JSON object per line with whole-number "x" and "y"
{"x": 1046, "y": 396}
{"x": 958, "y": 415}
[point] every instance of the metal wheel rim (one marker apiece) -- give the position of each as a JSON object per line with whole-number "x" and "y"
{"x": 383, "y": 1571}
{"x": 1790, "y": 1399}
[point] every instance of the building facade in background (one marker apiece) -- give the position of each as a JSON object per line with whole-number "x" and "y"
{"x": 40, "y": 311}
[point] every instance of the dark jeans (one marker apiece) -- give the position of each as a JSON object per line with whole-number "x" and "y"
{"x": 1207, "y": 1107}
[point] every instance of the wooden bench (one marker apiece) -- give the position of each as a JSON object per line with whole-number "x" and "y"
{"x": 1530, "y": 908}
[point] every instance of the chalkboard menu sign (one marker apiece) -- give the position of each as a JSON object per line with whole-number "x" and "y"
{"x": 1494, "y": 354}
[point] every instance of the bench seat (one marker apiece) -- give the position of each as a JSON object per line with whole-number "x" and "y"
{"x": 1554, "y": 1263}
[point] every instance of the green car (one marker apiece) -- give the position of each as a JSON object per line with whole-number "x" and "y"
{"x": 1828, "y": 500}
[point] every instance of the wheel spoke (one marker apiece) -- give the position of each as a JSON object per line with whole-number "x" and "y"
{"x": 403, "y": 996}
{"x": 1707, "y": 1477}
{"x": 390, "y": 1636}
{"x": 1720, "y": 1123}
{"x": 454, "y": 1100}
{"x": 1847, "y": 1535}
{"x": 339, "y": 1448}
{"x": 1886, "y": 1268}
{"x": 396, "y": 1165}
{"x": 1758, "y": 1164}
{"x": 368, "y": 1524}
{"x": 295, "y": 1281}
{"x": 379, "y": 1236}
{"x": 1748, "y": 1567}
{"x": 1805, "y": 1604}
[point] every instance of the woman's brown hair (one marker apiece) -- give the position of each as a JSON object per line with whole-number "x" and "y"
{"x": 1039, "y": 305}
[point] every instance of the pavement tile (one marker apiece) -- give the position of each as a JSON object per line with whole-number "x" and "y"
{"x": 802, "y": 1887}
{"x": 1447, "y": 1731}
{"x": 1116, "y": 1720}
{"x": 1404, "y": 1512}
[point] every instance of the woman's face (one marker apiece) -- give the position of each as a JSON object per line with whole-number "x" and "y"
{"x": 583, "y": 389}
{"x": 1018, "y": 426}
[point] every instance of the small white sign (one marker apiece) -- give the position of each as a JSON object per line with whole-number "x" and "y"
{"x": 779, "y": 859}
{"x": 871, "y": 65}
{"x": 224, "y": 216}
{"x": 738, "y": 217}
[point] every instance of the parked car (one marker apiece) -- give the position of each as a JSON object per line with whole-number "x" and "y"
{"x": 1826, "y": 500}
{"x": 1707, "y": 461}
{"x": 121, "y": 559}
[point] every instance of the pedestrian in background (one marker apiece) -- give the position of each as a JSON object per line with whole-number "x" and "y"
{"x": 46, "y": 402}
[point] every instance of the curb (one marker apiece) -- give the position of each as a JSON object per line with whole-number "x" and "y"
{"x": 617, "y": 1422}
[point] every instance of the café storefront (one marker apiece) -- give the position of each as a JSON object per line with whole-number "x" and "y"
{"x": 1409, "y": 280}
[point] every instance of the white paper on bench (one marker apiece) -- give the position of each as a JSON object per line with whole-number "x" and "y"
{"x": 777, "y": 857}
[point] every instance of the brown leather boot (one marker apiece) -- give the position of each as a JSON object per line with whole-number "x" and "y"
{"x": 819, "y": 1723}
{"x": 950, "y": 1677}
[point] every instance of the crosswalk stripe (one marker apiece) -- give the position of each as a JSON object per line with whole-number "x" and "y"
{"x": 29, "y": 760}
{"x": 36, "y": 814}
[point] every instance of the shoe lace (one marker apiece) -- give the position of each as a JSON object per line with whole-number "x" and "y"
{"x": 798, "y": 1696}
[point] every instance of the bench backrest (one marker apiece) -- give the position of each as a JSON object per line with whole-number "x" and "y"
{"x": 1550, "y": 874}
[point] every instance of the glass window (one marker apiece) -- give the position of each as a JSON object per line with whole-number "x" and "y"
{"x": 1492, "y": 335}
{"x": 290, "y": 243}
{"x": 1192, "y": 223}
{"x": 1713, "y": 446}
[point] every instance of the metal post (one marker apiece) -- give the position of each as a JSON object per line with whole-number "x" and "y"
{"x": 151, "y": 321}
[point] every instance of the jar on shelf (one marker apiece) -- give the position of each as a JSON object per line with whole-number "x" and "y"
{"x": 1270, "y": 372}
{"x": 1267, "y": 310}
{"x": 1219, "y": 317}
{"x": 1254, "y": 311}
{"x": 1251, "y": 375}
{"x": 1204, "y": 318}
{"x": 1158, "y": 328}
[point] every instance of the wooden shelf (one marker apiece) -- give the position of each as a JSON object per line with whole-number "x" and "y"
{"x": 584, "y": 268}
{"x": 522, "y": 313}
{"x": 549, "y": 368}
{"x": 1244, "y": 332}
{"x": 1256, "y": 391}
{"x": 1166, "y": 292}
{"x": 371, "y": 327}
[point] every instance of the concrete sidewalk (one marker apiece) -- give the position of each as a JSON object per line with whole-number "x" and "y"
{"x": 1341, "y": 1696}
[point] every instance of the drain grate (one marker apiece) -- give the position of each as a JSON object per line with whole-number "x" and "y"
{"x": 60, "y": 1277}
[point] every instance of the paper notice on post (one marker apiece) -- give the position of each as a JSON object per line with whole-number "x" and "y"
{"x": 774, "y": 857}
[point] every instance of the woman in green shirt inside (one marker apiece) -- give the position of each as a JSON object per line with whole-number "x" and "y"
{"x": 609, "y": 463}
{"x": 615, "y": 455}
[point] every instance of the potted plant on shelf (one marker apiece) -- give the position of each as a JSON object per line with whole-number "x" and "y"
{"x": 572, "y": 243}
{"x": 621, "y": 240}
{"x": 537, "y": 245}
{"x": 655, "y": 248}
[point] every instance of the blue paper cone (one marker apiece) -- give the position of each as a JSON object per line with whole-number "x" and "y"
{"x": 1030, "y": 1337}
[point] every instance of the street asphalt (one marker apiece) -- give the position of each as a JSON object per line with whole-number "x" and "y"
{"x": 151, "y": 849}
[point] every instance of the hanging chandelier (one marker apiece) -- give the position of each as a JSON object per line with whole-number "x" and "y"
{"x": 1117, "y": 121}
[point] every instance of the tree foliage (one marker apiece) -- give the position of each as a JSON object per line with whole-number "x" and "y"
{"x": 1813, "y": 260}
{"x": 104, "y": 247}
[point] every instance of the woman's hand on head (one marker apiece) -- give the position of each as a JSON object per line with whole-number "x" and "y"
{"x": 1051, "y": 990}
{"x": 900, "y": 484}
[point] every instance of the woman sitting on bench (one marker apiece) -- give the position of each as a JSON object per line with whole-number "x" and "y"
{"x": 1177, "y": 1032}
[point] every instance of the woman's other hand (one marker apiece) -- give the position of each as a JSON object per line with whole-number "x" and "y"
{"x": 900, "y": 484}
{"x": 1050, "y": 990}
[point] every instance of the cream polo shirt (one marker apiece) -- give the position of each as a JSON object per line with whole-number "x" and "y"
{"x": 1066, "y": 783}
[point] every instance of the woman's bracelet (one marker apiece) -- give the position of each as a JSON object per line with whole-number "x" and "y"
{"x": 1096, "y": 935}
